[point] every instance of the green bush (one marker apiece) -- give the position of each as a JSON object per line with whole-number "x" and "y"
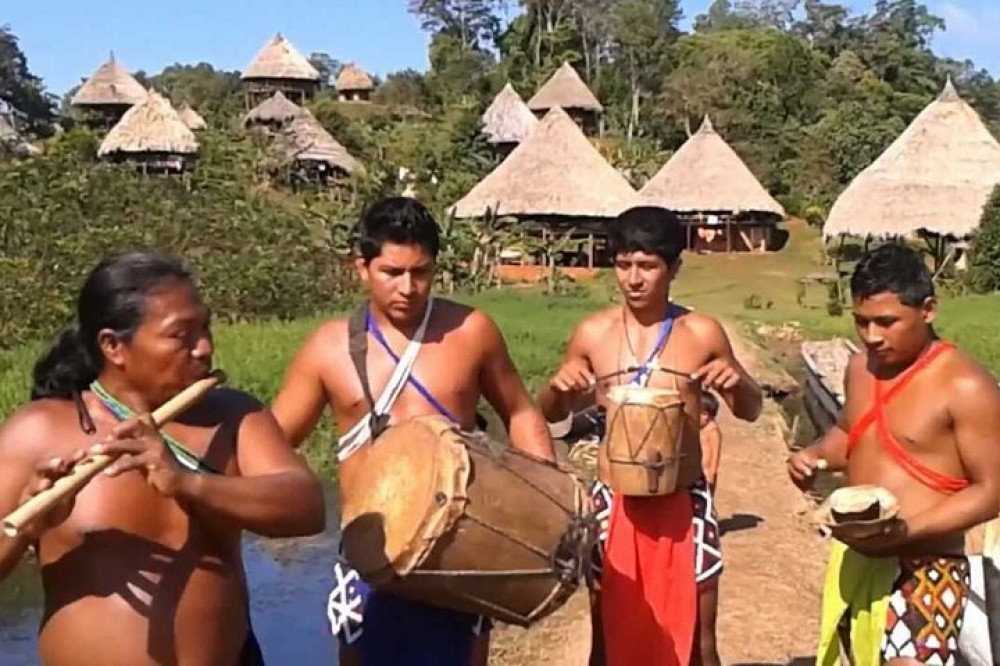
{"x": 257, "y": 253}
{"x": 983, "y": 273}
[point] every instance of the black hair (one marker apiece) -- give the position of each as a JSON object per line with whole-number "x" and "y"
{"x": 112, "y": 297}
{"x": 895, "y": 269}
{"x": 399, "y": 220}
{"x": 709, "y": 403}
{"x": 649, "y": 229}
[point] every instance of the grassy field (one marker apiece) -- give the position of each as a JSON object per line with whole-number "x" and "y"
{"x": 745, "y": 289}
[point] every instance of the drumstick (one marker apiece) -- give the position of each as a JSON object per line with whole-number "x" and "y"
{"x": 69, "y": 485}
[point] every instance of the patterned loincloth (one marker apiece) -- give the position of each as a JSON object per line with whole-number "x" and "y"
{"x": 925, "y": 610}
{"x": 708, "y": 545}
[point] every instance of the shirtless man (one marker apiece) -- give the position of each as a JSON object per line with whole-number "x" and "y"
{"x": 641, "y": 625}
{"x": 463, "y": 357}
{"x": 921, "y": 419}
{"x": 145, "y": 566}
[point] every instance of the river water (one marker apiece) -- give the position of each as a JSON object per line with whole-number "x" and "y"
{"x": 289, "y": 582}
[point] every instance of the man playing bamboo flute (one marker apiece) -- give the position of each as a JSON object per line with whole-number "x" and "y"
{"x": 436, "y": 357}
{"x": 144, "y": 566}
{"x": 661, "y": 555}
{"x": 921, "y": 420}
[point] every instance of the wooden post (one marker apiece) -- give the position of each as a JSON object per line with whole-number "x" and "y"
{"x": 729, "y": 236}
{"x": 590, "y": 250}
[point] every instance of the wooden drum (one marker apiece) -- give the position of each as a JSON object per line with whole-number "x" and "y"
{"x": 434, "y": 514}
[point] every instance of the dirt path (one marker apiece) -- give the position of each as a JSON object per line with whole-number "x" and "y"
{"x": 771, "y": 587}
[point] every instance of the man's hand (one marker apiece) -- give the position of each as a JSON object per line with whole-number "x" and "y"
{"x": 802, "y": 467}
{"x": 140, "y": 447}
{"x": 887, "y": 541}
{"x": 572, "y": 379}
{"x": 45, "y": 476}
{"x": 720, "y": 374}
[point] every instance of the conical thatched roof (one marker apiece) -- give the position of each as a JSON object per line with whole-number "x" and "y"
{"x": 508, "y": 119}
{"x": 191, "y": 118}
{"x": 151, "y": 126}
{"x": 555, "y": 171}
{"x": 937, "y": 175}
{"x": 566, "y": 89}
{"x": 279, "y": 60}
{"x": 352, "y": 77}
{"x": 306, "y": 139}
{"x": 110, "y": 84}
{"x": 275, "y": 109}
{"x": 707, "y": 176}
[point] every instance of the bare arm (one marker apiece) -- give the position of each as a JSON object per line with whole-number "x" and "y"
{"x": 17, "y": 467}
{"x": 556, "y": 404}
{"x": 743, "y": 396}
{"x": 300, "y": 402}
{"x": 974, "y": 405}
{"x": 502, "y": 387}
{"x": 275, "y": 495}
{"x": 711, "y": 448}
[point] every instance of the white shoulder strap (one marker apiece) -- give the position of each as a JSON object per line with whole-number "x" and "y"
{"x": 361, "y": 432}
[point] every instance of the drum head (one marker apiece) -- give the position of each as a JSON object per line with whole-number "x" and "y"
{"x": 399, "y": 494}
{"x": 643, "y": 395}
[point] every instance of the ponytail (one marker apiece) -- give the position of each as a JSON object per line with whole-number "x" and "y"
{"x": 65, "y": 369}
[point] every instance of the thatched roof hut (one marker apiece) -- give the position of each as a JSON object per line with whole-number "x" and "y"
{"x": 191, "y": 118}
{"x": 305, "y": 140}
{"x": 564, "y": 88}
{"x": 279, "y": 66}
{"x": 354, "y": 84}
{"x": 274, "y": 111}
{"x": 109, "y": 91}
{"x": 508, "y": 120}
{"x": 554, "y": 172}
{"x": 936, "y": 176}
{"x": 151, "y": 132}
{"x": 706, "y": 176}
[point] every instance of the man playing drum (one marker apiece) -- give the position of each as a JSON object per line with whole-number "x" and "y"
{"x": 462, "y": 356}
{"x": 145, "y": 566}
{"x": 661, "y": 555}
{"x": 921, "y": 421}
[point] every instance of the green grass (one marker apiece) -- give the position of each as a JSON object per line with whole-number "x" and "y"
{"x": 536, "y": 327}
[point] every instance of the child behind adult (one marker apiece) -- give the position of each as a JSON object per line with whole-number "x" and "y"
{"x": 711, "y": 438}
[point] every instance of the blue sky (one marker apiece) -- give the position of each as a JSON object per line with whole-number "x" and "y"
{"x": 68, "y": 38}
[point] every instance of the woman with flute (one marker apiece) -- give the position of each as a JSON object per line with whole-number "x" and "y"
{"x": 142, "y": 565}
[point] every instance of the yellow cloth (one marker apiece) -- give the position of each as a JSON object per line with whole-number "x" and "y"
{"x": 861, "y": 586}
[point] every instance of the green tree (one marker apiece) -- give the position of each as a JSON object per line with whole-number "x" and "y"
{"x": 983, "y": 274}
{"x": 21, "y": 91}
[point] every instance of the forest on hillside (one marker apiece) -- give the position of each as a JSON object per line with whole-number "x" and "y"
{"x": 806, "y": 91}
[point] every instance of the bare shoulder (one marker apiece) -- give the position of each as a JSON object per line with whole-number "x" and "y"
{"x": 32, "y": 428}
{"x": 702, "y": 326}
{"x": 969, "y": 383}
{"x": 594, "y": 329}
{"x": 321, "y": 347}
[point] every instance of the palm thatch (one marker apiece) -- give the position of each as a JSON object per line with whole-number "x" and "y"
{"x": 306, "y": 140}
{"x": 280, "y": 60}
{"x": 707, "y": 176}
{"x": 508, "y": 119}
{"x": 936, "y": 176}
{"x": 555, "y": 171}
{"x": 275, "y": 110}
{"x": 150, "y": 127}
{"x": 191, "y": 118}
{"x": 565, "y": 88}
{"x": 353, "y": 78}
{"x": 109, "y": 85}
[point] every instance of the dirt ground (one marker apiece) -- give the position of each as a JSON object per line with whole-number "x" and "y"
{"x": 774, "y": 561}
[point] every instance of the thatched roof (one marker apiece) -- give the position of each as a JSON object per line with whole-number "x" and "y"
{"x": 275, "y": 109}
{"x": 191, "y": 118}
{"x": 352, "y": 77}
{"x": 565, "y": 88}
{"x": 110, "y": 84}
{"x": 306, "y": 139}
{"x": 555, "y": 171}
{"x": 937, "y": 175}
{"x": 707, "y": 176}
{"x": 508, "y": 119}
{"x": 280, "y": 60}
{"x": 151, "y": 126}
